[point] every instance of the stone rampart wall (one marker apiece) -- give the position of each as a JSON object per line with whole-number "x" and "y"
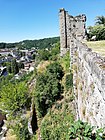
{"x": 89, "y": 83}
{"x": 88, "y": 70}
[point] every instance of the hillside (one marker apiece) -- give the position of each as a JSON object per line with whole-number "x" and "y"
{"x": 40, "y": 43}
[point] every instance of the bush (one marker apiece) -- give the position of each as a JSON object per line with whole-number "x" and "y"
{"x": 56, "y": 70}
{"x": 20, "y": 129}
{"x": 55, "y": 125}
{"x": 69, "y": 81}
{"x": 48, "y": 90}
{"x": 84, "y": 131}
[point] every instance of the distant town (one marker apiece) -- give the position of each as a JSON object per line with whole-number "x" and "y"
{"x": 24, "y": 57}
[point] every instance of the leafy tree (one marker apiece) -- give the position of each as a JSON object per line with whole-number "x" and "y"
{"x": 14, "y": 66}
{"x": 48, "y": 88}
{"x": 100, "y": 20}
{"x": 65, "y": 62}
{"x": 2, "y": 45}
{"x": 43, "y": 54}
{"x": 55, "y": 51}
{"x": 56, "y": 70}
{"x": 98, "y": 31}
{"x": 21, "y": 65}
{"x": 13, "y": 97}
{"x": 9, "y": 67}
{"x": 34, "y": 56}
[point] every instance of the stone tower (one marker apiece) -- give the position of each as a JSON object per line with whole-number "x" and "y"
{"x": 69, "y": 26}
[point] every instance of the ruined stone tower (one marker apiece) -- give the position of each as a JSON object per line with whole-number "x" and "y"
{"x": 70, "y": 25}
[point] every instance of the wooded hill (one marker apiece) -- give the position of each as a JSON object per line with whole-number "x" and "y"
{"x": 40, "y": 43}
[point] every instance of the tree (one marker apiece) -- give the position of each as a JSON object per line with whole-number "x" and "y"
{"x": 48, "y": 88}
{"x": 100, "y": 20}
{"x": 55, "y": 69}
{"x": 9, "y": 67}
{"x": 21, "y": 65}
{"x": 55, "y": 51}
{"x": 43, "y": 54}
{"x": 14, "y": 66}
{"x": 13, "y": 97}
{"x": 98, "y": 31}
{"x": 47, "y": 91}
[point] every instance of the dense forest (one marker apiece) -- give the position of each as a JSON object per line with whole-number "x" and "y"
{"x": 41, "y": 43}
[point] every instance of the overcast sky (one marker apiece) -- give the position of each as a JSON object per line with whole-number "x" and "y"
{"x": 34, "y": 19}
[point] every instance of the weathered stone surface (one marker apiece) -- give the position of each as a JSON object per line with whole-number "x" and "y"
{"x": 70, "y": 25}
{"x": 88, "y": 70}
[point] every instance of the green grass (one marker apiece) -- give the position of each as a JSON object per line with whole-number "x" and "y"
{"x": 97, "y": 46}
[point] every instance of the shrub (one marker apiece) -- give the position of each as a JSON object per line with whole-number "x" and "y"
{"x": 69, "y": 81}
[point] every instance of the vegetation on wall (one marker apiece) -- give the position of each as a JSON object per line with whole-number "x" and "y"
{"x": 84, "y": 131}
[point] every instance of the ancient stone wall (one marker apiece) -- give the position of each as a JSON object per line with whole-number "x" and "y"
{"x": 70, "y": 25}
{"x": 88, "y": 70}
{"x": 89, "y": 84}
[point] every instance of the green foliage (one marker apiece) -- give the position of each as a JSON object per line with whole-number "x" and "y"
{"x": 9, "y": 69}
{"x": 13, "y": 97}
{"x": 47, "y": 91}
{"x": 21, "y": 65}
{"x": 98, "y": 31}
{"x": 84, "y": 131}
{"x": 43, "y": 54}
{"x": 65, "y": 62}
{"x": 100, "y": 20}
{"x": 48, "y": 88}
{"x": 51, "y": 54}
{"x": 56, "y": 70}
{"x": 55, "y": 51}
{"x": 14, "y": 66}
{"x": 5, "y": 80}
{"x": 56, "y": 123}
{"x": 33, "y": 56}
{"x": 80, "y": 130}
{"x": 69, "y": 81}
{"x": 41, "y": 43}
{"x": 20, "y": 129}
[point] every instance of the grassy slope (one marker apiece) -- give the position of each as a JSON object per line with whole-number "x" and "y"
{"x": 97, "y": 46}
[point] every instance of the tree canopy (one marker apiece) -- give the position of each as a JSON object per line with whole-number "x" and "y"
{"x": 13, "y": 97}
{"x": 100, "y": 20}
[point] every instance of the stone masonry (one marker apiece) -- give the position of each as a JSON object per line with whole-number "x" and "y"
{"x": 70, "y": 25}
{"x": 88, "y": 70}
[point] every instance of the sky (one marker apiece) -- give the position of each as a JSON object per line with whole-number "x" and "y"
{"x": 36, "y": 19}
